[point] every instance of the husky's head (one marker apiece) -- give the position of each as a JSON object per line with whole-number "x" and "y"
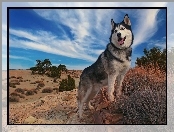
{"x": 121, "y": 33}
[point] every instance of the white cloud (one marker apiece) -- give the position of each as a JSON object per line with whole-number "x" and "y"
{"x": 24, "y": 34}
{"x": 80, "y": 27}
{"x": 146, "y": 27}
{"x": 18, "y": 57}
{"x": 52, "y": 45}
{"x": 161, "y": 43}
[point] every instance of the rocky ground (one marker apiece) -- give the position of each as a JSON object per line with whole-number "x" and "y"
{"x": 55, "y": 107}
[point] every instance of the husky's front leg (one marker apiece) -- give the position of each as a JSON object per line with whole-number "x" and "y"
{"x": 111, "y": 82}
{"x": 120, "y": 79}
{"x": 119, "y": 85}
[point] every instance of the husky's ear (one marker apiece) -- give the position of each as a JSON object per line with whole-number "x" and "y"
{"x": 112, "y": 24}
{"x": 127, "y": 20}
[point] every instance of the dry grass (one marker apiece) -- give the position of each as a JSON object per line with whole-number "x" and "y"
{"x": 14, "y": 99}
{"x": 41, "y": 84}
{"x": 20, "y": 77}
{"x": 47, "y": 90}
{"x": 15, "y": 94}
{"x": 12, "y": 77}
{"x": 13, "y": 83}
{"x": 29, "y": 92}
{"x": 20, "y": 90}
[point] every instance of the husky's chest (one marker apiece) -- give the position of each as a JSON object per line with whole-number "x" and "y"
{"x": 118, "y": 66}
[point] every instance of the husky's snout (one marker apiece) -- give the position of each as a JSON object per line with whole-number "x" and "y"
{"x": 119, "y": 35}
{"x": 120, "y": 39}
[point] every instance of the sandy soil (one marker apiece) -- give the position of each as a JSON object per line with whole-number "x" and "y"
{"x": 55, "y": 107}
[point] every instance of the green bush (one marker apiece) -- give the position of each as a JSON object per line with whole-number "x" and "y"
{"x": 155, "y": 57}
{"x": 67, "y": 84}
{"x": 45, "y": 67}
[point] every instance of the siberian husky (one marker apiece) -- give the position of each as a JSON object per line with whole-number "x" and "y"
{"x": 111, "y": 66}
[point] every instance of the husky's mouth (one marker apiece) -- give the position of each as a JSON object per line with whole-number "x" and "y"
{"x": 121, "y": 40}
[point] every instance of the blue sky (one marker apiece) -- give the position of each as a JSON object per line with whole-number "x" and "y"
{"x": 77, "y": 37}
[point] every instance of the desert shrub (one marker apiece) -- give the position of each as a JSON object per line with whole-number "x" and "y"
{"x": 15, "y": 82}
{"x": 21, "y": 96}
{"x": 33, "y": 83}
{"x": 19, "y": 77}
{"x": 13, "y": 99}
{"x": 55, "y": 88}
{"x": 12, "y": 77}
{"x": 18, "y": 83}
{"x": 47, "y": 90}
{"x": 67, "y": 84}
{"x": 11, "y": 84}
{"x": 29, "y": 92}
{"x": 14, "y": 86}
{"x": 139, "y": 77}
{"x": 25, "y": 89}
{"x": 15, "y": 94}
{"x": 20, "y": 80}
{"x": 37, "y": 81}
{"x": 20, "y": 90}
{"x": 146, "y": 106}
{"x": 144, "y": 97}
{"x": 41, "y": 84}
{"x": 35, "y": 91}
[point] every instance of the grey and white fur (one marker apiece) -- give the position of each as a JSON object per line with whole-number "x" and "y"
{"x": 111, "y": 66}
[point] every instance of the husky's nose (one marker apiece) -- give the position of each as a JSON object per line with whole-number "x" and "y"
{"x": 119, "y": 35}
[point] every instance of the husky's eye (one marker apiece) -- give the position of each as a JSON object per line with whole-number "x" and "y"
{"x": 115, "y": 31}
{"x": 122, "y": 28}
